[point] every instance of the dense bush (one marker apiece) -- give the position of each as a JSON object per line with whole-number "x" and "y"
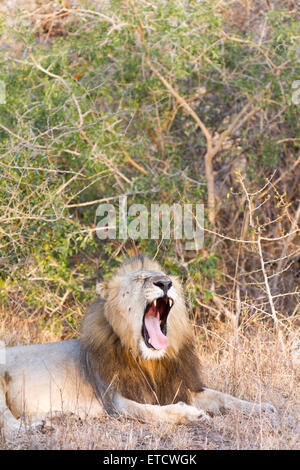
{"x": 91, "y": 114}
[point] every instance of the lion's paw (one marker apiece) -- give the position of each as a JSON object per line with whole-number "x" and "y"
{"x": 11, "y": 432}
{"x": 270, "y": 412}
{"x": 36, "y": 426}
{"x": 18, "y": 428}
{"x": 193, "y": 415}
{"x": 270, "y": 409}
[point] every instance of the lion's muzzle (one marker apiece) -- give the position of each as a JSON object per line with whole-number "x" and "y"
{"x": 154, "y": 329}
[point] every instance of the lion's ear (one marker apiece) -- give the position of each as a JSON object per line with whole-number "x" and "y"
{"x": 101, "y": 289}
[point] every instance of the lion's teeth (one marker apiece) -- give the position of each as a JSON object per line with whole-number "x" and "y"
{"x": 154, "y": 303}
{"x": 170, "y": 302}
{"x": 149, "y": 340}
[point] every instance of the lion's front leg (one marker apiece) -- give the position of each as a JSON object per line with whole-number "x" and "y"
{"x": 8, "y": 422}
{"x": 178, "y": 413}
{"x": 214, "y": 402}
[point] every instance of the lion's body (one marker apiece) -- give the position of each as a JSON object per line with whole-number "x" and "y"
{"x": 44, "y": 378}
{"x": 136, "y": 356}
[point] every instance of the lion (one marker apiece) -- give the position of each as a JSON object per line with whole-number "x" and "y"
{"x": 136, "y": 357}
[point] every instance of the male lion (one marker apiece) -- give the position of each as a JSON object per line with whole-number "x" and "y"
{"x": 136, "y": 356}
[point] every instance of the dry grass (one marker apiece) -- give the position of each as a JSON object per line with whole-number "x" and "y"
{"x": 257, "y": 370}
{"x": 251, "y": 365}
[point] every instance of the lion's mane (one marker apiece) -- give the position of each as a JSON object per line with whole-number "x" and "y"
{"x": 110, "y": 357}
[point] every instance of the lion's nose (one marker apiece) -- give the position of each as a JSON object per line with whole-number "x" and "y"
{"x": 164, "y": 285}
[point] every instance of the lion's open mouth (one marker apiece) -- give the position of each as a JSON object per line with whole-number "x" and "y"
{"x": 155, "y": 323}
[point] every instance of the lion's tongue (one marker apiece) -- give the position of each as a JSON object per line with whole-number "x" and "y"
{"x": 158, "y": 339}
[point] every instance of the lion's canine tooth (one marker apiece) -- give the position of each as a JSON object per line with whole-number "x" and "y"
{"x": 149, "y": 340}
{"x": 170, "y": 302}
{"x": 154, "y": 303}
